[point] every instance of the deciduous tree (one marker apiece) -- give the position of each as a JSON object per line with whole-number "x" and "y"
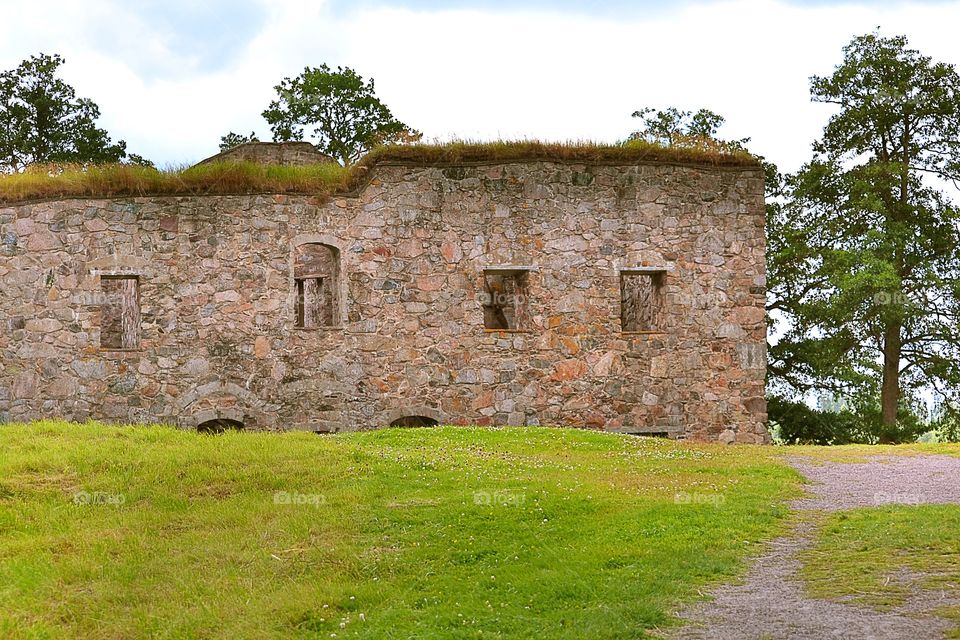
{"x": 673, "y": 127}
{"x": 232, "y": 140}
{"x": 865, "y": 265}
{"x": 338, "y": 109}
{"x": 43, "y": 121}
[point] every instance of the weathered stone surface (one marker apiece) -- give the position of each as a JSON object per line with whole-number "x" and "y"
{"x": 451, "y": 251}
{"x": 569, "y": 370}
{"x": 261, "y": 347}
{"x": 89, "y": 369}
{"x": 284, "y": 153}
{"x": 219, "y": 334}
{"x": 752, "y": 355}
{"x": 25, "y": 385}
{"x": 42, "y": 241}
{"x": 124, "y": 385}
{"x": 63, "y": 387}
{"x": 170, "y": 223}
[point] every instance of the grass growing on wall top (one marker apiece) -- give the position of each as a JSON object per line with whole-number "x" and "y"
{"x": 706, "y": 153}
{"x": 219, "y": 178}
{"x": 131, "y": 532}
{"x": 236, "y": 178}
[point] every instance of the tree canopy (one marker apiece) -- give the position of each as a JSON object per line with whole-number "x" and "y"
{"x": 863, "y": 255}
{"x": 338, "y": 109}
{"x": 43, "y": 121}
{"x": 673, "y": 127}
{"x": 232, "y": 140}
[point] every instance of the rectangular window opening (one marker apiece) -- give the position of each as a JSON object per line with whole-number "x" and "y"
{"x": 314, "y": 303}
{"x": 120, "y": 313}
{"x": 505, "y": 300}
{"x": 641, "y": 301}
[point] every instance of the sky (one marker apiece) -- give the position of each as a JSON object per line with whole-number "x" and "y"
{"x": 172, "y": 76}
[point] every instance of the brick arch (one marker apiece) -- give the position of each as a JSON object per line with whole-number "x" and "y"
{"x": 219, "y": 416}
{"x": 318, "y": 238}
{"x": 204, "y": 403}
{"x": 410, "y": 411}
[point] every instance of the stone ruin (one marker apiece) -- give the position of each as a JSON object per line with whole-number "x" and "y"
{"x": 624, "y": 297}
{"x": 282, "y": 153}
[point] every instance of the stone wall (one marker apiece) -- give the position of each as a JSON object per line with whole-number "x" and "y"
{"x": 286, "y": 153}
{"x": 218, "y": 303}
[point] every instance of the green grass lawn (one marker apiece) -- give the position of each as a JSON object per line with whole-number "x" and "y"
{"x": 856, "y": 453}
{"x": 880, "y": 556}
{"x": 130, "y": 532}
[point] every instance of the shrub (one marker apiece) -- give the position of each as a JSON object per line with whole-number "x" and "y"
{"x": 947, "y": 428}
{"x": 797, "y": 423}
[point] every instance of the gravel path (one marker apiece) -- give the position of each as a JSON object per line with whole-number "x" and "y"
{"x": 771, "y": 602}
{"x": 927, "y": 479}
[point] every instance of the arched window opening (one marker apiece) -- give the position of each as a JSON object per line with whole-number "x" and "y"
{"x": 316, "y": 276}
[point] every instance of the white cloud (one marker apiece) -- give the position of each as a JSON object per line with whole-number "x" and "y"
{"x": 478, "y": 73}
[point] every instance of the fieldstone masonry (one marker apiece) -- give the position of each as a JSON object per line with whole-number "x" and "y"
{"x": 399, "y": 335}
{"x": 284, "y": 153}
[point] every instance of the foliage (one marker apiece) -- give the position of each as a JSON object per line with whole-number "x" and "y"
{"x": 672, "y": 127}
{"x": 138, "y": 160}
{"x": 856, "y": 423}
{"x": 947, "y": 427}
{"x": 339, "y": 109}
{"x": 798, "y": 423}
{"x": 42, "y": 120}
{"x": 864, "y": 259}
{"x": 232, "y": 140}
{"x": 574, "y": 151}
{"x": 908, "y": 427}
{"x": 398, "y": 533}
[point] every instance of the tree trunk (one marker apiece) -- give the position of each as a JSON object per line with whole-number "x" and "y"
{"x": 890, "y": 392}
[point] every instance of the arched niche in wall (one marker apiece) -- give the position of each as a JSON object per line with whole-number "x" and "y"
{"x": 317, "y": 285}
{"x": 223, "y": 403}
{"x": 415, "y": 421}
{"x": 412, "y": 416}
{"x": 219, "y": 425}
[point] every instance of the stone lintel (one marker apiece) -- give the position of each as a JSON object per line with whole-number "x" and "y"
{"x": 509, "y": 269}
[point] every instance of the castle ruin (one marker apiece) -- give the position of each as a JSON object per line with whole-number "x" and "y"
{"x": 625, "y": 297}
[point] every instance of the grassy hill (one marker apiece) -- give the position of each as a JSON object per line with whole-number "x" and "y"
{"x": 121, "y": 532}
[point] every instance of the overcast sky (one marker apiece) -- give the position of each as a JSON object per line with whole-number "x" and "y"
{"x": 172, "y": 76}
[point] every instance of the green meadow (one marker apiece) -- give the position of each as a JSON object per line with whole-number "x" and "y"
{"x": 133, "y": 532}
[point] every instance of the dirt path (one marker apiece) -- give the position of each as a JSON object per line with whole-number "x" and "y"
{"x": 771, "y": 602}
